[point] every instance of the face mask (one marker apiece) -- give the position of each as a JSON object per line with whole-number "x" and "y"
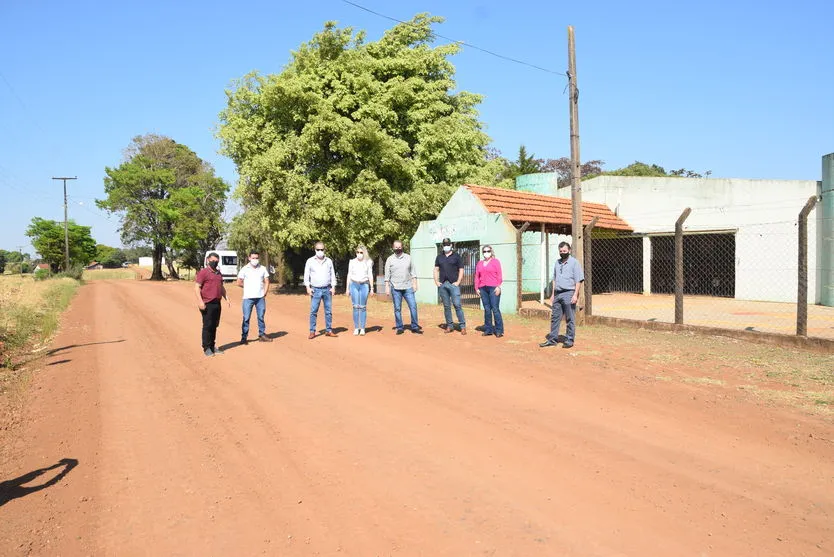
{"x": 360, "y": 256}
{"x": 398, "y": 251}
{"x": 254, "y": 262}
{"x": 320, "y": 253}
{"x": 487, "y": 254}
{"x": 447, "y": 249}
{"x": 564, "y": 256}
{"x": 213, "y": 264}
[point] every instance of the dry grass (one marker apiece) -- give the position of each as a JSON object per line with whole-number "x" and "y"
{"x": 109, "y": 274}
{"x": 29, "y": 312}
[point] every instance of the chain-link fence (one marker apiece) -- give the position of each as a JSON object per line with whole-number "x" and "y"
{"x": 758, "y": 277}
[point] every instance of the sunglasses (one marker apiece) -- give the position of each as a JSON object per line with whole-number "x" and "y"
{"x": 319, "y": 251}
{"x": 487, "y": 251}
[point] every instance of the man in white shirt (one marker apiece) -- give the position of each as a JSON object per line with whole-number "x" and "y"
{"x": 320, "y": 280}
{"x": 254, "y": 279}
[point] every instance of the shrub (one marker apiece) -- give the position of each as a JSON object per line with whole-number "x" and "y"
{"x": 74, "y": 272}
{"x": 42, "y": 274}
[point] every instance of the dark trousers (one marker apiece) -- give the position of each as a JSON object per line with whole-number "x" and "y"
{"x": 211, "y": 319}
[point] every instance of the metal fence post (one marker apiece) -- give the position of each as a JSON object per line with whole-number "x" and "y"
{"x": 519, "y": 261}
{"x": 802, "y": 269}
{"x": 588, "y": 264}
{"x": 679, "y": 266}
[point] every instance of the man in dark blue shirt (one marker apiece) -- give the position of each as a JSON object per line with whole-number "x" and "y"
{"x": 448, "y": 274}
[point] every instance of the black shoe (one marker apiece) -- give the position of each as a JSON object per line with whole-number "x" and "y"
{"x": 485, "y": 334}
{"x": 547, "y": 343}
{"x": 244, "y": 341}
{"x": 264, "y": 338}
{"x": 400, "y": 331}
{"x": 567, "y": 345}
{"x": 443, "y": 326}
{"x": 417, "y": 331}
{"x": 499, "y": 335}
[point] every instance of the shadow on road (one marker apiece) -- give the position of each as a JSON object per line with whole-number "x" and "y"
{"x": 229, "y": 345}
{"x": 16, "y": 488}
{"x": 61, "y": 349}
{"x": 56, "y": 362}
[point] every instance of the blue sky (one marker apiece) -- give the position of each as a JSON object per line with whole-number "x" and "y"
{"x": 738, "y": 87}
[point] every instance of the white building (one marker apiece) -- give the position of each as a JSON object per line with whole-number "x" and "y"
{"x": 740, "y": 238}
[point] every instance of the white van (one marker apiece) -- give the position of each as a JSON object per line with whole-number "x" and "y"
{"x": 228, "y": 263}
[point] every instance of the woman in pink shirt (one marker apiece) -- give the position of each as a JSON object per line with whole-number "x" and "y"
{"x": 488, "y": 281}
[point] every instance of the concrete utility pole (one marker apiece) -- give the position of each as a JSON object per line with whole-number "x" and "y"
{"x": 20, "y": 251}
{"x": 576, "y": 168}
{"x": 66, "y": 229}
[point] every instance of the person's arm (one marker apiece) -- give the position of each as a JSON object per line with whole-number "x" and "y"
{"x": 266, "y": 282}
{"x": 477, "y": 280}
{"x": 437, "y": 270}
{"x": 387, "y": 275}
{"x": 500, "y": 276}
{"x": 198, "y": 286}
{"x": 240, "y": 275}
{"x": 347, "y": 279}
{"x": 223, "y": 293}
{"x": 332, "y": 278}
{"x": 413, "y": 274}
{"x": 579, "y": 277}
{"x": 460, "y": 275}
{"x": 370, "y": 278}
{"x": 307, "y": 272}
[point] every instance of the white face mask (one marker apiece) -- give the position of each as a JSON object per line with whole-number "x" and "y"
{"x": 447, "y": 249}
{"x": 487, "y": 254}
{"x": 360, "y": 256}
{"x": 254, "y": 262}
{"x": 320, "y": 253}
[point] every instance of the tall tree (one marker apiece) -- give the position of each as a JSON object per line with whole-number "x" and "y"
{"x": 638, "y": 168}
{"x": 564, "y": 168}
{"x": 354, "y": 141}
{"x": 48, "y": 239}
{"x": 167, "y": 196}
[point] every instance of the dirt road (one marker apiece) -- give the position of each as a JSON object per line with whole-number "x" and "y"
{"x": 391, "y": 445}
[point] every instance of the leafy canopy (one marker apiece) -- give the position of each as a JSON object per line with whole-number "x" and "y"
{"x": 48, "y": 240}
{"x": 167, "y": 197}
{"x": 354, "y": 142}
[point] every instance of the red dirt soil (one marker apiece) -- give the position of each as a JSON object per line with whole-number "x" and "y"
{"x": 390, "y": 445}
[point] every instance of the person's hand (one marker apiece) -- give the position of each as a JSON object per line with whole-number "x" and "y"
{"x": 371, "y": 293}
{"x": 574, "y": 299}
{"x": 202, "y": 306}
{"x": 552, "y": 299}
{"x": 228, "y": 303}
{"x": 309, "y": 292}
{"x": 477, "y": 292}
{"x": 332, "y": 290}
{"x": 497, "y": 290}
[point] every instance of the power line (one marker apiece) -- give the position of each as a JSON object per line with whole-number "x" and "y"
{"x": 463, "y": 43}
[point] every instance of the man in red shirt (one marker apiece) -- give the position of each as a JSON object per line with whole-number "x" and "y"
{"x": 209, "y": 289}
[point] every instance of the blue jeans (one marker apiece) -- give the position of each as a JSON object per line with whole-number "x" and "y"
{"x": 260, "y": 309}
{"x": 450, "y": 294}
{"x": 562, "y": 306}
{"x": 492, "y": 308}
{"x": 359, "y": 300}
{"x": 321, "y": 293}
{"x": 397, "y": 297}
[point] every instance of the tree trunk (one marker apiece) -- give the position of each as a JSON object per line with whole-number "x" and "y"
{"x": 169, "y": 260}
{"x": 158, "y": 251}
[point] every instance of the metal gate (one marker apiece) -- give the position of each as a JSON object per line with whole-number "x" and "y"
{"x": 469, "y": 253}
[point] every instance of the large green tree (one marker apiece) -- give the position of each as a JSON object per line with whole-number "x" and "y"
{"x": 354, "y": 141}
{"x": 168, "y": 197}
{"x": 48, "y": 240}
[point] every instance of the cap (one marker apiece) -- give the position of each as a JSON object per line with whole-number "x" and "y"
{"x": 447, "y": 242}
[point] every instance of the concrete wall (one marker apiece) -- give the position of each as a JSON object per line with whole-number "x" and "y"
{"x": 464, "y": 219}
{"x": 761, "y": 213}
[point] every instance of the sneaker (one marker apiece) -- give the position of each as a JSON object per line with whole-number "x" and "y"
{"x": 208, "y": 352}
{"x": 312, "y": 335}
{"x": 400, "y": 331}
{"x": 361, "y": 332}
{"x": 218, "y": 352}
{"x": 486, "y": 334}
{"x": 417, "y": 331}
{"x": 244, "y": 341}
{"x": 463, "y": 330}
{"x": 547, "y": 343}
{"x": 356, "y": 332}
{"x": 264, "y": 338}
{"x": 567, "y": 344}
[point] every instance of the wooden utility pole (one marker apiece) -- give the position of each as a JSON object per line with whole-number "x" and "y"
{"x": 66, "y": 229}
{"x": 576, "y": 168}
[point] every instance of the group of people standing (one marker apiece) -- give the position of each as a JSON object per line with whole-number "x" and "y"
{"x": 400, "y": 279}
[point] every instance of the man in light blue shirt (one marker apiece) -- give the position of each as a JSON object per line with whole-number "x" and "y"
{"x": 567, "y": 281}
{"x": 320, "y": 280}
